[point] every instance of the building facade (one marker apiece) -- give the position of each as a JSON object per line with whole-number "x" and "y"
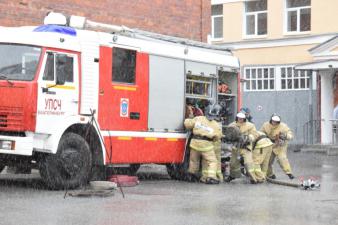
{"x": 279, "y": 43}
{"x": 182, "y": 18}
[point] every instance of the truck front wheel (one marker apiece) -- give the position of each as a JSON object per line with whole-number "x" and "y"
{"x": 70, "y": 167}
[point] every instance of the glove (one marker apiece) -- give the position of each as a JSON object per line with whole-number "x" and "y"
{"x": 283, "y": 136}
{"x": 244, "y": 141}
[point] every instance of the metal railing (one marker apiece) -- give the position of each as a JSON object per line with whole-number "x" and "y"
{"x": 311, "y": 132}
{"x": 334, "y": 125}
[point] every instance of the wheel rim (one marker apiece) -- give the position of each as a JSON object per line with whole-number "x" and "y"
{"x": 70, "y": 163}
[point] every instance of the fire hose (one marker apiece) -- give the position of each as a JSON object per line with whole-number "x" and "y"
{"x": 308, "y": 184}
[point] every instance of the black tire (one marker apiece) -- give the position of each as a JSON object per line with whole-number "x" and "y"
{"x": 70, "y": 167}
{"x": 180, "y": 171}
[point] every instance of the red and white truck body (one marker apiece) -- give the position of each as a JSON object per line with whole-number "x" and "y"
{"x": 124, "y": 93}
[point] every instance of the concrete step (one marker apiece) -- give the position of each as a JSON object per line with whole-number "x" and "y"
{"x": 323, "y": 149}
{"x": 333, "y": 151}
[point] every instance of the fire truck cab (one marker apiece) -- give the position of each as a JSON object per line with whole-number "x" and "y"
{"x": 75, "y": 101}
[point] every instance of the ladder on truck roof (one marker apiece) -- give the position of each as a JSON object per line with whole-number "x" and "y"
{"x": 80, "y": 22}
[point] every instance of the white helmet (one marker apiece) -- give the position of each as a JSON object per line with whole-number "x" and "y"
{"x": 275, "y": 118}
{"x": 240, "y": 115}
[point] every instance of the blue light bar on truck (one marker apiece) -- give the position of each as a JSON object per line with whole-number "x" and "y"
{"x": 56, "y": 29}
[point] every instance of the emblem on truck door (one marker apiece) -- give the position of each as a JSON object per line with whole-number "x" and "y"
{"x": 124, "y": 107}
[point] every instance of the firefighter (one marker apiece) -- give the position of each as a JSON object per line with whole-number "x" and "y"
{"x": 247, "y": 113}
{"x": 262, "y": 149}
{"x": 189, "y": 109}
{"x": 217, "y": 149}
{"x": 217, "y": 143}
{"x": 280, "y": 134}
{"x": 248, "y": 135}
{"x": 205, "y": 131}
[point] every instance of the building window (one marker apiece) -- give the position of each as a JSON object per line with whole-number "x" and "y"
{"x": 294, "y": 79}
{"x": 124, "y": 64}
{"x": 256, "y": 18}
{"x": 298, "y": 15}
{"x": 259, "y": 78}
{"x": 217, "y": 21}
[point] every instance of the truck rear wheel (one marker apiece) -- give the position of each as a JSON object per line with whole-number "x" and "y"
{"x": 70, "y": 167}
{"x": 180, "y": 171}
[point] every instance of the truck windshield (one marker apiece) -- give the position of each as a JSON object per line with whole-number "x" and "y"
{"x": 18, "y": 62}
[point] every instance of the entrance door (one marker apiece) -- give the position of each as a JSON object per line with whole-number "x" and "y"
{"x": 123, "y": 89}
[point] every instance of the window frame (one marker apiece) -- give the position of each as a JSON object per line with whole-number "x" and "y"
{"x": 255, "y": 14}
{"x": 286, "y": 19}
{"x": 256, "y": 80}
{"x": 114, "y": 68}
{"x": 213, "y": 27}
{"x": 56, "y": 66}
{"x": 296, "y": 77}
{"x": 213, "y": 17}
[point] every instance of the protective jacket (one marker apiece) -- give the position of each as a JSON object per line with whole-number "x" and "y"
{"x": 278, "y": 150}
{"x": 204, "y": 133}
{"x": 272, "y": 131}
{"x": 261, "y": 156}
{"x": 246, "y": 128}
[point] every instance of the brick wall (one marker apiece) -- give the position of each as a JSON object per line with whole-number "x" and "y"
{"x": 182, "y": 18}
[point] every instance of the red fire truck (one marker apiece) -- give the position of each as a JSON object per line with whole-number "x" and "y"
{"x": 77, "y": 97}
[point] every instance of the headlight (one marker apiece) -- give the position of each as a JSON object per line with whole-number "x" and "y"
{"x": 7, "y": 145}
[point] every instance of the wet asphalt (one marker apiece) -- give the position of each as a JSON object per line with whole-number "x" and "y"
{"x": 159, "y": 200}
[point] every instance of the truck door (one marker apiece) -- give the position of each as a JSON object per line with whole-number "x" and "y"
{"x": 56, "y": 101}
{"x": 123, "y": 89}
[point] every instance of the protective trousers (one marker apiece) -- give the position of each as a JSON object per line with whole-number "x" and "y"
{"x": 210, "y": 163}
{"x": 279, "y": 152}
{"x": 219, "y": 174}
{"x": 235, "y": 165}
{"x": 261, "y": 159}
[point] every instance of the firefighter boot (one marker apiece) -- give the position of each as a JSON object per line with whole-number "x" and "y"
{"x": 191, "y": 177}
{"x": 273, "y": 176}
{"x": 290, "y": 176}
{"x": 229, "y": 179}
{"x": 211, "y": 180}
